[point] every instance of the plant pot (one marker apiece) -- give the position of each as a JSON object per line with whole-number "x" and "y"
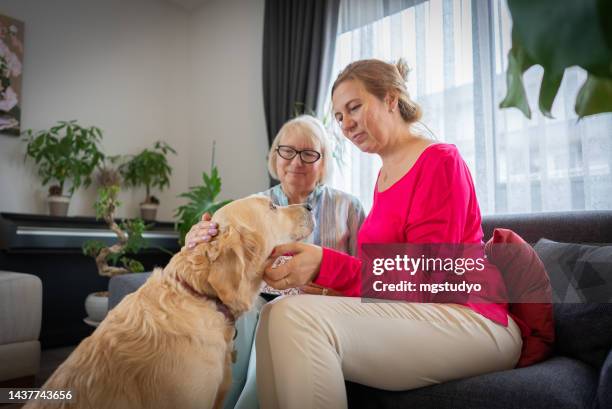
{"x": 96, "y": 305}
{"x": 148, "y": 211}
{"x": 58, "y": 205}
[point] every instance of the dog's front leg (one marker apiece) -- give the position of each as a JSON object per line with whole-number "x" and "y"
{"x": 227, "y": 379}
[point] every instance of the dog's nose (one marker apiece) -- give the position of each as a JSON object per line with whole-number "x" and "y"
{"x": 308, "y": 207}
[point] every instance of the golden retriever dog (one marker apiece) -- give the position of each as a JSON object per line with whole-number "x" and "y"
{"x": 170, "y": 344}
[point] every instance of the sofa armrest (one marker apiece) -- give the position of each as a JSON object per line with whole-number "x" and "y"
{"x": 604, "y": 391}
{"x": 122, "y": 285}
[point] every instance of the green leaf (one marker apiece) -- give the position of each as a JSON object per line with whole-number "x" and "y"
{"x": 149, "y": 168}
{"x": 594, "y": 97}
{"x": 558, "y": 36}
{"x": 113, "y": 258}
{"x": 548, "y": 91}
{"x": 65, "y": 152}
{"x": 134, "y": 229}
{"x": 518, "y": 63}
{"x": 134, "y": 266}
{"x": 201, "y": 200}
{"x": 91, "y": 248}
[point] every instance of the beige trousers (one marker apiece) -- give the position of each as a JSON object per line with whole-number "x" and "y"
{"x": 307, "y": 345}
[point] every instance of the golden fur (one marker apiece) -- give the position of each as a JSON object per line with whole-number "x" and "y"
{"x": 166, "y": 347}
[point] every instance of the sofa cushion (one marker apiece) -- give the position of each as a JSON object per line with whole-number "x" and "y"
{"x": 581, "y": 277}
{"x": 578, "y": 273}
{"x": 584, "y": 331}
{"x": 529, "y": 293}
{"x": 556, "y": 383}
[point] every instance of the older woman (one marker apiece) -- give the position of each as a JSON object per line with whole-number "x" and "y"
{"x": 300, "y": 159}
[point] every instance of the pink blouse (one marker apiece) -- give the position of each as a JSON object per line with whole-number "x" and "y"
{"x": 434, "y": 202}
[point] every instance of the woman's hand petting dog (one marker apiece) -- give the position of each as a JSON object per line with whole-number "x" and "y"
{"x": 205, "y": 230}
{"x": 201, "y": 232}
{"x": 298, "y": 271}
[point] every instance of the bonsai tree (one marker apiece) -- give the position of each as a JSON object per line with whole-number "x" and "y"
{"x": 129, "y": 233}
{"x": 149, "y": 169}
{"x": 67, "y": 152}
{"x": 202, "y": 199}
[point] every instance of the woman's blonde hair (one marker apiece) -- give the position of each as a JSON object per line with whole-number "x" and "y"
{"x": 311, "y": 127}
{"x": 381, "y": 78}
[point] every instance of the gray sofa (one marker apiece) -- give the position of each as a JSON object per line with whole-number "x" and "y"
{"x": 579, "y": 375}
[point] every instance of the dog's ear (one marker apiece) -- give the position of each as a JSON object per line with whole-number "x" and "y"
{"x": 213, "y": 250}
{"x": 229, "y": 261}
{"x": 192, "y": 266}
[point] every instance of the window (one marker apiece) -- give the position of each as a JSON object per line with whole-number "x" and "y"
{"x": 457, "y": 50}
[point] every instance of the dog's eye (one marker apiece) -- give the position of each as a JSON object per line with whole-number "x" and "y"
{"x": 272, "y": 206}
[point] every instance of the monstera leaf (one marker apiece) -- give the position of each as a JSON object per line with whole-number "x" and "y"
{"x": 558, "y": 35}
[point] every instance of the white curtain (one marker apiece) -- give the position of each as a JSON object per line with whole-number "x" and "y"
{"x": 457, "y": 50}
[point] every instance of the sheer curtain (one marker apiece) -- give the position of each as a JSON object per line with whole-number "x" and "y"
{"x": 457, "y": 51}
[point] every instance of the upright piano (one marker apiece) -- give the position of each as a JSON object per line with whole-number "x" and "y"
{"x": 51, "y": 248}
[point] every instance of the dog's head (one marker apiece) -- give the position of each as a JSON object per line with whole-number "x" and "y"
{"x": 232, "y": 263}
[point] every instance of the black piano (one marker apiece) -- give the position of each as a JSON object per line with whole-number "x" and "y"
{"x": 50, "y": 248}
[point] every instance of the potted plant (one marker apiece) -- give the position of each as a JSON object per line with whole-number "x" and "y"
{"x": 149, "y": 169}
{"x": 112, "y": 260}
{"x": 202, "y": 199}
{"x": 65, "y": 153}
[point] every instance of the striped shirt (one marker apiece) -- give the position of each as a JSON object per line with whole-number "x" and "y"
{"x": 338, "y": 218}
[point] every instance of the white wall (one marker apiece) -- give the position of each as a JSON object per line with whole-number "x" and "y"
{"x": 227, "y": 40}
{"x": 142, "y": 70}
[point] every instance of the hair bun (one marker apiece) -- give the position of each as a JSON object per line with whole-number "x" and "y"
{"x": 402, "y": 68}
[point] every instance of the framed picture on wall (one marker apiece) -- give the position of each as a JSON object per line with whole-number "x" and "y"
{"x": 11, "y": 67}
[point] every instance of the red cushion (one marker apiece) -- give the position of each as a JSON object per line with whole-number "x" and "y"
{"x": 529, "y": 293}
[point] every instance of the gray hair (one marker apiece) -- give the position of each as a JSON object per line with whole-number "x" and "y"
{"x": 314, "y": 129}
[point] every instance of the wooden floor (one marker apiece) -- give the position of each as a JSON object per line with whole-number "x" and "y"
{"x": 50, "y": 359}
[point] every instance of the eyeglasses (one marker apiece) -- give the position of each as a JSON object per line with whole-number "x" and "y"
{"x": 307, "y": 155}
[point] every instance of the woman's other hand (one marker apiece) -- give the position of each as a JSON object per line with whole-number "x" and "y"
{"x": 316, "y": 289}
{"x": 201, "y": 232}
{"x": 300, "y": 270}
